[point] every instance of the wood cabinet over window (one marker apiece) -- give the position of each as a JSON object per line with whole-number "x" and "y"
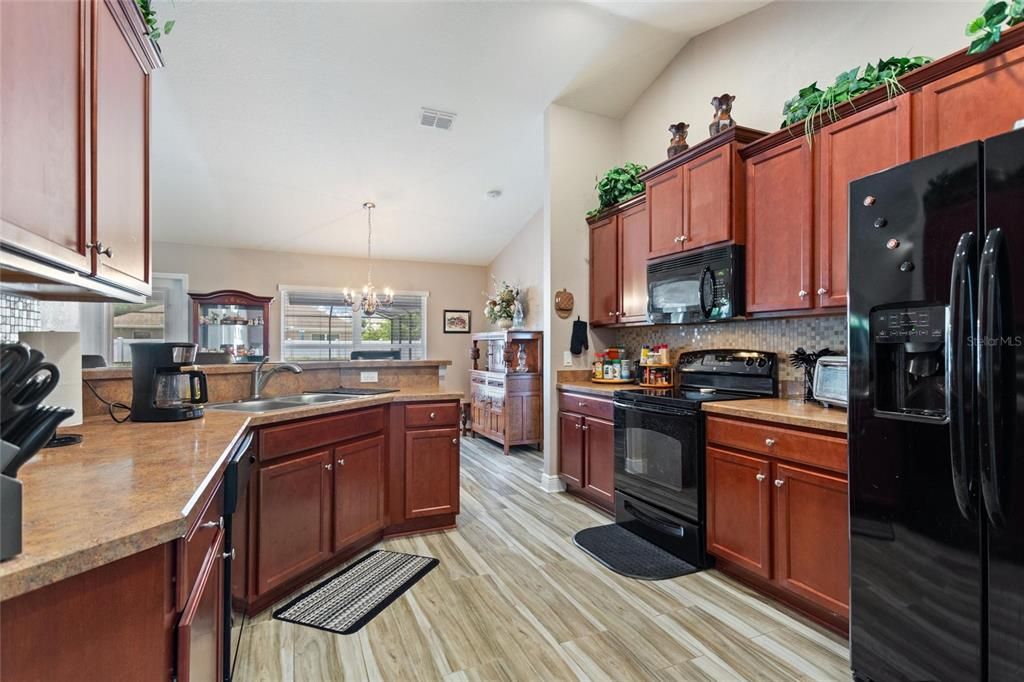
{"x": 75, "y": 189}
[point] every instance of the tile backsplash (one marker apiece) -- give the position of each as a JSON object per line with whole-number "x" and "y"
{"x": 17, "y": 314}
{"x": 776, "y": 335}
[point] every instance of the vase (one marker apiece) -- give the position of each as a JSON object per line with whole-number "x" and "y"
{"x": 504, "y": 323}
{"x": 518, "y": 316}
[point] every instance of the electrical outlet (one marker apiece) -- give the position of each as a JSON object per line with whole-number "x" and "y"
{"x": 368, "y": 377}
{"x": 567, "y": 359}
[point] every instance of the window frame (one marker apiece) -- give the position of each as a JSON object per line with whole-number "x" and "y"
{"x": 283, "y": 290}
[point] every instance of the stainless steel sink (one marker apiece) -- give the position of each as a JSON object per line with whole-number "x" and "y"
{"x": 284, "y": 402}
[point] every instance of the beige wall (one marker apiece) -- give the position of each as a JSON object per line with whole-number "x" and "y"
{"x": 521, "y": 263}
{"x": 766, "y": 56}
{"x": 578, "y": 147}
{"x": 260, "y": 272}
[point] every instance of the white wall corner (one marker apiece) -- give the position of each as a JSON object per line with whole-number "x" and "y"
{"x": 551, "y": 484}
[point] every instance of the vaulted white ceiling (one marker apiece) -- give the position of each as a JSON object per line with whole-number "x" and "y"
{"x": 274, "y": 121}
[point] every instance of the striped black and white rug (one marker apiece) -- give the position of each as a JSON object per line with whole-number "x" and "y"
{"x": 348, "y": 600}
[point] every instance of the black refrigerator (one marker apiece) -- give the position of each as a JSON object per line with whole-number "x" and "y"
{"x": 936, "y": 416}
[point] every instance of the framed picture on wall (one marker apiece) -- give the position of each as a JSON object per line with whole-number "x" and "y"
{"x": 457, "y": 321}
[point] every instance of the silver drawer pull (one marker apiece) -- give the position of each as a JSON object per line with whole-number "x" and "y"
{"x": 328, "y": 466}
{"x": 433, "y": 415}
{"x": 760, "y": 477}
{"x": 581, "y": 404}
{"x": 341, "y": 462}
{"x": 455, "y": 441}
{"x": 770, "y": 442}
{"x": 219, "y": 523}
{"x": 229, "y": 555}
{"x": 779, "y": 482}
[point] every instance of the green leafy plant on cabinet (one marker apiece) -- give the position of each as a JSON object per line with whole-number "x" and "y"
{"x": 618, "y": 184}
{"x": 149, "y": 15}
{"x": 986, "y": 29}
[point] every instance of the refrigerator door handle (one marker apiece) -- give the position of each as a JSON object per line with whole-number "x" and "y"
{"x": 995, "y": 423}
{"x": 960, "y": 393}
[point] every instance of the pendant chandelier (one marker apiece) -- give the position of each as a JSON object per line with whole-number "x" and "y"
{"x": 368, "y": 300}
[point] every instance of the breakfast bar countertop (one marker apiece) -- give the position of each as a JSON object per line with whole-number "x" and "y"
{"x": 129, "y": 487}
{"x": 784, "y": 411}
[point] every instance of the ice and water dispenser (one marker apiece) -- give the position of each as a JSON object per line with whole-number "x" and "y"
{"x": 910, "y": 362}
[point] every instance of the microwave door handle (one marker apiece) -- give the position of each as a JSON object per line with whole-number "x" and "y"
{"x": 994, "y": 316}
{"x": 705, "y": 309}
{"x": 960, "y": 396}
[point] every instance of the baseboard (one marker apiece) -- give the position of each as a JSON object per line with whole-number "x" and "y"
{"x": 551, "y": 484}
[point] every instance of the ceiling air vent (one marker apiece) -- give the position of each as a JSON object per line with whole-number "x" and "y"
{"x": 432, "y": 118}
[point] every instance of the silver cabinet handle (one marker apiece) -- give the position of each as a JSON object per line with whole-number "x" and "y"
{"x": 328, "y": 466}
{"x": 433, "y": 415}
{"x": 760, "y": 477}
{"x": 684, "y": 238}
{"x": 100, "y": 249}
{"x": 822, "y": 291}
{"x": 341, "y": 462}
{"x": 770, "y": 442}
{"x": 219, "y": 523}
{"x": 579, "y": 426}
{"x": 455, "y": 441}
{"x": 779, "y": 482}
{"x": 802, "y": 293}
{"x": 229, "y": 555}
{"x": 586, "y": 428}
{"x": 611, "y": 314}
{"x": 581, "y": 404}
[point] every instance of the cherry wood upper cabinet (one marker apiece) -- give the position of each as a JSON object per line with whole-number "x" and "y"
{"x": 359, "y": 483}
{"x": 599, "y": 446}
{"x": 739, "y": 509}
{"x": 980, "y": 101}
{"x": 780, "y": 228}
{"x": 120, "y": 162}
{"x": 811, "y": 546}
{"x": 570, "y": 449}
{"x": 633, "y": 254}
{"x": 865, "y": 143}
{"x": 708, "y": 198}
{"x": 431, "y": 472}
{"x": 604, "y": 271}
{"x": 293, "y": 517}
{"x": 43, "y": 188}
{"x": 665, "y": 213}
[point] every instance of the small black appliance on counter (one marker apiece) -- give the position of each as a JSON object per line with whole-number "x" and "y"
{"x": 659, "y": 446}
{"x": 167, "y": 386}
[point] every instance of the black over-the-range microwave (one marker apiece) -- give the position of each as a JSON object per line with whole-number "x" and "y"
{"x": 696, "y": 287}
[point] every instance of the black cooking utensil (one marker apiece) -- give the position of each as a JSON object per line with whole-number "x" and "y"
{"x": 26, "y": 393}
{"x": 14, "y": 359}
{"x": 37, "y": 437}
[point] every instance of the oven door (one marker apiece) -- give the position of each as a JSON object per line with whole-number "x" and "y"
{"x": 658, "y": 456}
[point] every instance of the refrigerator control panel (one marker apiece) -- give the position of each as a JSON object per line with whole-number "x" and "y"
{"x": 907, "y": 325}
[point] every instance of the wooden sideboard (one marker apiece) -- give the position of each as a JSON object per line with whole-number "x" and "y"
{"x": 506, "y": 405}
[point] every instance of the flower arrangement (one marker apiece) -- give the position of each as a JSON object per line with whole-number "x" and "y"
{"x": 501, "y": 305}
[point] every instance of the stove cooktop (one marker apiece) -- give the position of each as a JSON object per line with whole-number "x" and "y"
{"x": 687, "y": 398}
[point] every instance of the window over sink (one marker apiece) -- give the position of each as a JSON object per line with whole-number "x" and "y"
{"x": 317, "y": 324}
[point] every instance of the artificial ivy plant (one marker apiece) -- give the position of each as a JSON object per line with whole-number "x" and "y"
{"x": 986, "y": 30}
{"x": 618, "y": 184}
{"x": 812, "y": 101}
{"x": 149, "y": 14}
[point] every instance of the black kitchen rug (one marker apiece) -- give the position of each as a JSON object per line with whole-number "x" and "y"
{"x": 629, "y": 554}
{"x": 348, "y": 600}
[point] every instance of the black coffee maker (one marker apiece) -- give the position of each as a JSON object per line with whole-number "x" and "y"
{"x": 166, "y": 384}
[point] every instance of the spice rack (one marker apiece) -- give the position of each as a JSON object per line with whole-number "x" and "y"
{"x": 658, "y": 375}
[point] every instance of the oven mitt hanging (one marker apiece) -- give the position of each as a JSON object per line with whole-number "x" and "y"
{"x": 579, "y": 337}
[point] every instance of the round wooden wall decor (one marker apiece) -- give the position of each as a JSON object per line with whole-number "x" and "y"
{"x": 564, "y": 302}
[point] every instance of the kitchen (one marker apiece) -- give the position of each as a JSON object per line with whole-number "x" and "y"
{"x": 470, "y": 446}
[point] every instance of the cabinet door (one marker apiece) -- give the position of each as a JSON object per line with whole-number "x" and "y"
{"x": 201, "y": 628}
{"x": 431, "y": 472}
{"x": 780, "y": 228}
{"x": 604, "y": 272}
{"x": 665, "y": 213}
{"x": 570, "y": 449}
{"x": 811, "y": 536}
{"x": 599, "y": 449}
{"x": 358, "y": 491}
{"x": 974, "y": 103}
{"x": 707, "y": 198}
{"x": 633, "y": 250}
{"x": 120, "y": 163}
{"x": 498, "y": 415}
{"x": 739, "y": 505}
{"x": 43, "y": 154}
{"x": 294, "y": 518}
{"x": 865, "y": 143}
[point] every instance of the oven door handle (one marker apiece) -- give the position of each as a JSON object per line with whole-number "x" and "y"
{"x": 652, "y": 409}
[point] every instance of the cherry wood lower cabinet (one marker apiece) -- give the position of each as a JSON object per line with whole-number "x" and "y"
{"x": 359, "y": 489}
{"x": 586, "y": 453}
{"x": 201, "y": 627}
{"x": 778, "y": 513}
{"x": 431, "y": 472}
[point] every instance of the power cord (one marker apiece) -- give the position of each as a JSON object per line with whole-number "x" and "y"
{"x": 110, "y": 405}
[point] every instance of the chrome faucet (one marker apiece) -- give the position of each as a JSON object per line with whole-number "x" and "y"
{"x": 260, "y": 378}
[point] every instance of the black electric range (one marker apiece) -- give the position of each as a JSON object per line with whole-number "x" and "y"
{"x": 659, "y": 445}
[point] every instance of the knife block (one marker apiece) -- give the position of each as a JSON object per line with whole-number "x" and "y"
{"x": 10, "y": 517}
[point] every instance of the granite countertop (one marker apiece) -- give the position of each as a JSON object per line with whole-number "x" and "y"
{"x": 248, "y": 367}
{"x": 128, "y": 487}
{"x": 783, "y": 411}
{"x": 589, "y": 387}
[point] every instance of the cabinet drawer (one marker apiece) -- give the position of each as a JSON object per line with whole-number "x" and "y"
{"x": 196, "y": 544}
{"x": 278, "y": 441}
{"x": 586, "y": 405}
{"x": 827, "y": 452}
{"x": 431, "y": 414}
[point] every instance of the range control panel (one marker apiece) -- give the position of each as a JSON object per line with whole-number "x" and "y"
{"x": 747, "y": 362}
{"x": 907, "y": 325}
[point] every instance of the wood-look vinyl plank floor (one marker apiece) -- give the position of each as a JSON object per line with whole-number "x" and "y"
{"x": 513, "y": 599}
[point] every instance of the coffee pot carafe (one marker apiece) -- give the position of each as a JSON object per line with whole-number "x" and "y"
{"x": 166, "y": 384}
